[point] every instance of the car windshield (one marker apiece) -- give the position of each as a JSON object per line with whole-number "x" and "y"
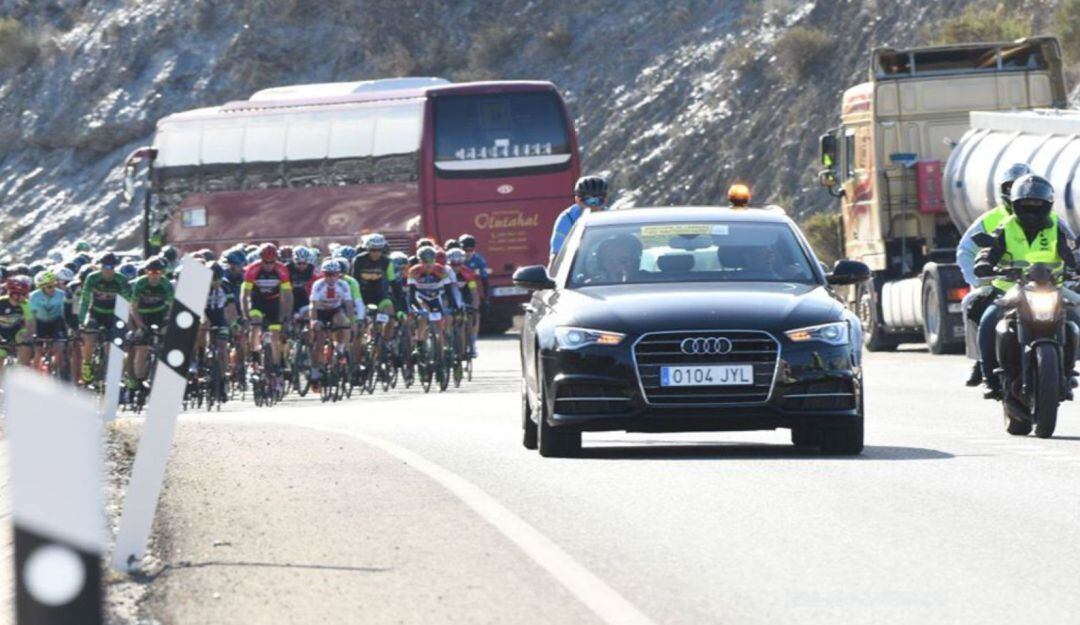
{"x": 690, "y": 252}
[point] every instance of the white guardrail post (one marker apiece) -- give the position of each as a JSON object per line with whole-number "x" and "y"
{"x": 110, "y": 399}
{"x": 57, "y": 503}
{"x": 166, "y": 394}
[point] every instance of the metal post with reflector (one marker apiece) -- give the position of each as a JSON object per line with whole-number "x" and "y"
{"x": 170, "y": 380}
{"x": 56, "y": 499}
{"x": 111, "y": 396}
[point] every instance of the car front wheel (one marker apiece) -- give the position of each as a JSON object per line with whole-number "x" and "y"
{"x": 555, "y": 442}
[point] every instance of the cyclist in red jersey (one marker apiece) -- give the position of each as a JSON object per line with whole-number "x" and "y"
{"x": 466, "y": 287}
{"x": 430, "y": 292}
{"x": 266, "y": 297}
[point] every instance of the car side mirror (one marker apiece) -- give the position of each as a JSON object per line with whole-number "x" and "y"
{"x": 533, "y": 278}
{"x": 848, "y": 272}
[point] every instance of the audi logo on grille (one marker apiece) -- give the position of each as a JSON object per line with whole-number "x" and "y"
{"x": 702, "y": 346}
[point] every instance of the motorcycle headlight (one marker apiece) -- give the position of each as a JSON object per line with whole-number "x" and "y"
{"x": 1043, "y": 304}
{"x": 828, "y": 333}
{"x": 568, "y": 337}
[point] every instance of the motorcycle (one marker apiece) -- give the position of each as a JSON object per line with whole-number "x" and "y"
{"x": 1032, "y": 338}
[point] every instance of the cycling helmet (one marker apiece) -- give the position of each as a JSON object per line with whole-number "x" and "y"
{"x": 331, "y": 265}
{"x": 85, "y": 271}
{"x": 19, "y": 269}
{"x": 72, "y": 266}
{"x": 739, "y": 195}
{"x": 82, "y": 246}
{"x": 455, "y": 256}
{"x": 1008, "y": 177}
{"x": 252, "y": 257}
{"x": 1032, "y": 200}
{"x": 376, "y": 241}
{"x": 399, "y": 260}
{"x": 424, "y": 242}
{"x": 170, "y": 254}
{"x": 82, "y": 259}
{"x": 206, "y": 254}
{"x": 55, "y": 256}
{"x": 285, "y": 253}
{"x": 426, "y": 254}
{"x": 128, "y": 270}
{"x": 64, "y": 275}
{"x": 45, "y": 278}
{"x": 251, "y": 247}
{"x": 154, "y": 263}
{"x": 347, "y": 252}
{"x": 468, "y": 241}
{"x": 591, "y": 186}
{"x": 217, "y": 271}
{"x": 268, "y": 253}
{"x": 236, "y": 257}
{"x": 37, "y": 267}
{"x": 303, "y": 255}
{"x": 108, "y": 260}
{"x": 16, "y": 286}
{"x": 451, "y": 244}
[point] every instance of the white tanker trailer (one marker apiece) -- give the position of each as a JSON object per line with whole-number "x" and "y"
{"x": 1048, "y": 140}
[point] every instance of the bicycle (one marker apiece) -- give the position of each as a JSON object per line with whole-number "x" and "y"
{"x": 377, "y": 351}
{"x": 50, "y": 363}
{"x": 299, "y": 356}
{"x": 337, "y": 366}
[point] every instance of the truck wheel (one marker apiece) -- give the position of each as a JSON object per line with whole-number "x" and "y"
{"x": 869, "y": 312}
{"x": 935, "y": 317}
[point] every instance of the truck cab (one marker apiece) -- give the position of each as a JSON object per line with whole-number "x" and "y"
{"x": 885, "y": 161}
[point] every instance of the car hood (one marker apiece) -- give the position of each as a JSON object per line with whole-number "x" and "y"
{"x": 769, "y": 306}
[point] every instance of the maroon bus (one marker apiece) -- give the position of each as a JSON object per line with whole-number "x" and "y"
{"x": 407, "y": 157}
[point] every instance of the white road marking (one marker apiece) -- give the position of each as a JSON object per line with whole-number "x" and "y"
{"x": 603, "y": 600}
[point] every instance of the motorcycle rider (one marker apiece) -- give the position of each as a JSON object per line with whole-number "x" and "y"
{"x": 590, "y": 193}
{"x": 1032, "y": 234}
{"x": 982, "y": 294}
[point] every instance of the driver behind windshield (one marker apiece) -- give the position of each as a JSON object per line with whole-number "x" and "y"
{"x": 618, "y": 260}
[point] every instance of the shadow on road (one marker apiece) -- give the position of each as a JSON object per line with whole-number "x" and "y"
{"x": 665, "y": 450}
{"x": 179, "y": 566}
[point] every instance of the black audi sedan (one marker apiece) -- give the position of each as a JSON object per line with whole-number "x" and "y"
{"x": 689, "y": 319}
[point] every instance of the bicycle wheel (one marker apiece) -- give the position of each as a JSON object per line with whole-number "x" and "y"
{"x": 423, "y": 364}
{"x": 301, "y": 369}
{"x": 371, "y": 373}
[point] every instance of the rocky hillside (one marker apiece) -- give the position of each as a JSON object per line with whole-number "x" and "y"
{"x": 673, "y": 99}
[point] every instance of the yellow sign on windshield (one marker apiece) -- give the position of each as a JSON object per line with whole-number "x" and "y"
{"x": 672, "y": 230}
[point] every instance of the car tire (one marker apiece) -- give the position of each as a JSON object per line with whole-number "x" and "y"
{"x": 554, "y": 442}
{"x": 805, "y": 436}
{"x": 528, "y": 426}
{"x": 843, "y": 440}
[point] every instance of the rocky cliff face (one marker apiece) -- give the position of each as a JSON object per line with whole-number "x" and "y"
{"x": 673, "y": 100}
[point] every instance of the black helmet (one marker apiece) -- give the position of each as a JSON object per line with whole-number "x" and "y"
{"x": 426, "y": 254}
{"x": 169, "y": 253}
{"x": 467, "y": 241}
{"x": 217, "y": 272}
{"x": 1008, "y": 177}
{"x": 108, "y": 260}
{"x": 82, "y": 258}
{"x": 154, "y": 263}
{"x": 19, "y": 269}
{"x": 451, "y": 244}
{"x": 1032, "y": 200}
{"x": 591, "y": 186}
{"x": 83, "y": 272}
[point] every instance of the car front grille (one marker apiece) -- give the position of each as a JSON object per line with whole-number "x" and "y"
{"x": 820, "y": 395}
{"x": 589, "y": 399}
{"x": 752, "y": 347}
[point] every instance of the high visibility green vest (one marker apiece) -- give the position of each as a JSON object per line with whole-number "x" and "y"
{"x": 1020, "y": 253}
{"x": 994, "y": 218}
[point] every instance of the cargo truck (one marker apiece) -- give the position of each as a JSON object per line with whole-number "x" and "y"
{"x": 886, "y": 164}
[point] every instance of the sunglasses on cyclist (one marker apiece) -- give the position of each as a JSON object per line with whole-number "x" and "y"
{"x": 596, "y": 200}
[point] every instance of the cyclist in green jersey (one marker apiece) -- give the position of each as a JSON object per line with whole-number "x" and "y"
{"x": 151, "y": 297}
{"x": 96, "y": 304}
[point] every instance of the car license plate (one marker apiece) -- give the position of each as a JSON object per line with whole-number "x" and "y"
{"x": 508, "y": 291}
{"x": 711, "y": 375}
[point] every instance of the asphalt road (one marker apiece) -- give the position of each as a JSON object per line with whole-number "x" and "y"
{"x": 413, "y": 508}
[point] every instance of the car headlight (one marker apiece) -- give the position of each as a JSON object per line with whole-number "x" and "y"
{"x": 568, "y": 337}
{"x": 829, "y": 333}
{"x": 1043, "y": 304}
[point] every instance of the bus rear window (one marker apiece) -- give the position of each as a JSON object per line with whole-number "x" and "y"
{"x": 490, "y": 134}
